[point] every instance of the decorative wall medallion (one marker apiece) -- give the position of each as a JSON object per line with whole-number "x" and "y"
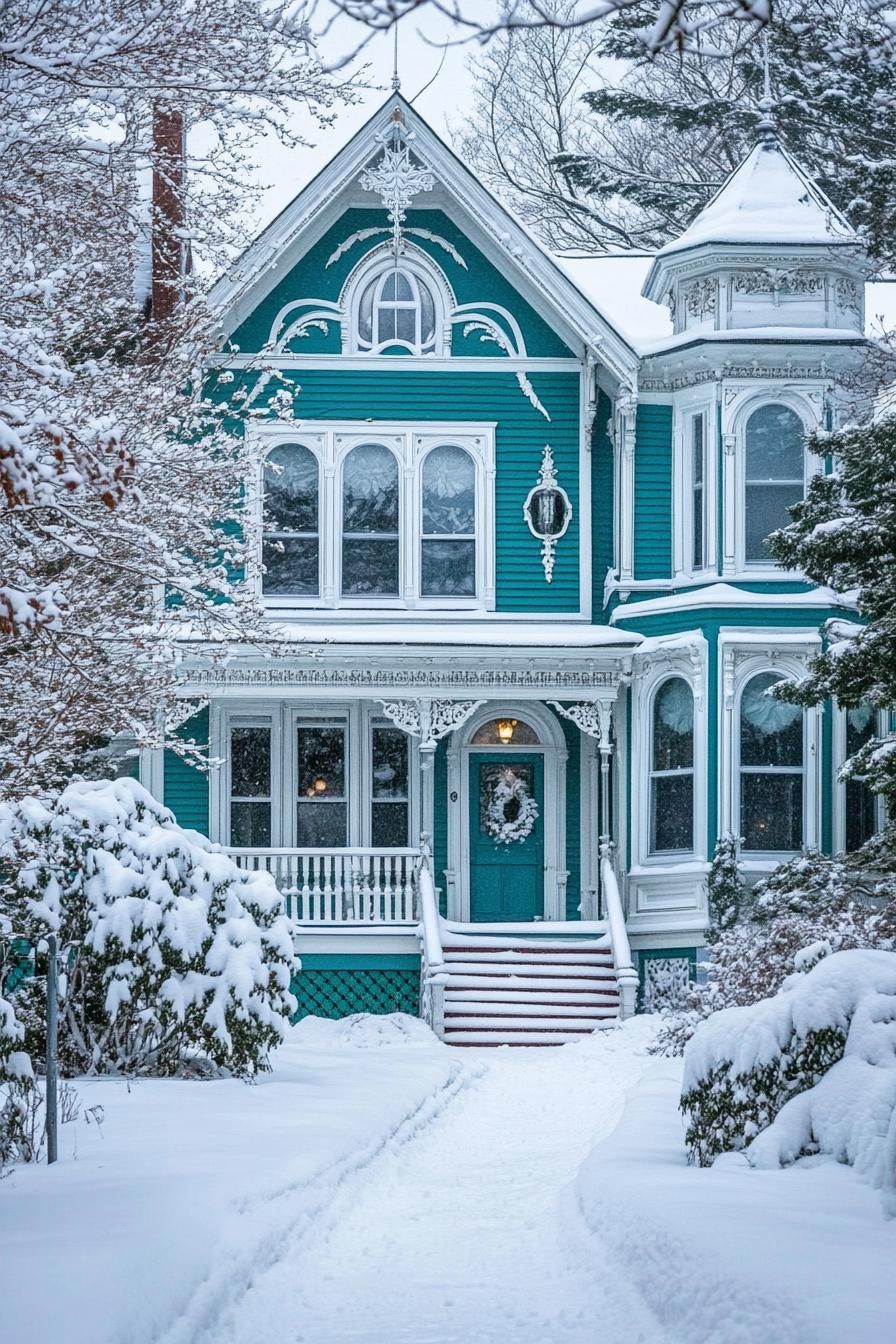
{"x": 776, "y": 282}
{"x": 700, "y": 298}
{"x": 849, "y": 296}
{"x": 547, "y": 511}
{"x": 396, "y": 177}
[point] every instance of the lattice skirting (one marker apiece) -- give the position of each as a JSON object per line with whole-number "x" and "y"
{"x": 338, "y": 993}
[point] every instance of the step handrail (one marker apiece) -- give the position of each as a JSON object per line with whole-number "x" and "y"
{"x": 626, "y": 975}
{"x": 433, "y": 971}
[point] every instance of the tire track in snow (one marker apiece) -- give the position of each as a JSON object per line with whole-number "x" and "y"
{"x": 277, "y": 1224}
{"x": 469, "y": 1233}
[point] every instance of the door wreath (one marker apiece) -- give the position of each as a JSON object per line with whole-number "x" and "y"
{"x": 512, "y": 812}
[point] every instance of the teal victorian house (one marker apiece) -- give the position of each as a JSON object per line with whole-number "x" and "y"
{"x": 516, "y": 574}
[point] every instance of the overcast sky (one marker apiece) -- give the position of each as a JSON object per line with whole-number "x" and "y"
{"x": 447, "y": 98}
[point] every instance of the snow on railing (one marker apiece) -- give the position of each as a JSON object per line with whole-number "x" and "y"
{"x": 626, "y": 974}
{"x": 341, "y": 886}
{"x": 433, "y": 972}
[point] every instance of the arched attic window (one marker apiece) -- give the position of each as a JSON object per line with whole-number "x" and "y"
{"x": 398, "y": 310}
{"x": 774, "y": 475}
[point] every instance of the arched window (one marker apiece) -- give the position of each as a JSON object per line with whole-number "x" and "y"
{"x": 291, "y": 530}
{"x": 774, "y": 475}
{"x": 448, "y": 534}
{"x": 771, "y": 768}
{"x": 861, "y": 803}
{"x": 672, "y": 769}
{"x": 370, "y": 538}
{"x": 397, "y": 309}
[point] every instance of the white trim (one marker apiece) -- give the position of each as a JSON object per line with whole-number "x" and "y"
{"x": 501, "y": 239}
{"x": 552, "y": 746}
{"x": 838, "y": 786}
{"x": 742, "y": 656}
{"x": 358, "y": 716}
{"x": 738, "y": 406}
{"x": 690, "y": 663}
{"x": 420, "y": 363}
{"x": 410, "y": 442}
{"x": 696, "y": 402}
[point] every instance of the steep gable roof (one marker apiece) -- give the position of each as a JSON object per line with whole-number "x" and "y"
{"x": 500, "y": 236}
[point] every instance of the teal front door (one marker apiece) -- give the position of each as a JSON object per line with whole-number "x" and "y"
{"x": 506, "y": 838}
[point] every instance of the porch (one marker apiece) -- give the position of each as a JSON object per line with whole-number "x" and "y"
{"x": 539, "y": 983}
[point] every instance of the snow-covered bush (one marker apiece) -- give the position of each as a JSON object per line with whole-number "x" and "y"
{"x": 811, "y": 1068}
{"x": 172, "y": 950}
{"x": 812, "y": 902}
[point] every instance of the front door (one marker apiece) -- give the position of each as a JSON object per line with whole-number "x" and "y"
{"x": 506, "y": 837}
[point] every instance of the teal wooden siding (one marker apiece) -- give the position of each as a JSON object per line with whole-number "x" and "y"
{"x": 602, "y": 507}
{"x": 476, "y": 282}
{"x": 573, "y": 820}
{"x": 422, "y": 396}
{"x": 653, "y": 493}
{"x": 186, "y": 788}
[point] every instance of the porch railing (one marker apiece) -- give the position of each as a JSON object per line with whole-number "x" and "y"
{"x": 626, "y": 974}
{"x": 342, "y": 886}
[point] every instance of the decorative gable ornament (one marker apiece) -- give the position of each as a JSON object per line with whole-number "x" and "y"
{"x": 396, "y": 178}
{"x": 547, "y": 511}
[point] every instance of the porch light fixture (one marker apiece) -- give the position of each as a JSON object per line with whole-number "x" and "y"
{"x": 504, "y": 729}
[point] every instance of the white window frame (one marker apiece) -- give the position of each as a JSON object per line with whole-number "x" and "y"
{"x": 312, "y": 445}
{"x": 379, "y": 263}
{"x": 411, "y": 442}
{"x": 686, "y": 410}
{"x": 838, "y": 785}
{"x": 654, "y": 774}
{"x": 808, "y": 406}
{"x": 359, "y": 719}
{"x": 690, "y": 664}
{"x": 743, "y": 656}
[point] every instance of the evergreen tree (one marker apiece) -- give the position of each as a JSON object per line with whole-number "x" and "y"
{"x": 724, "y": 886}
{"x": 843, "y": 536}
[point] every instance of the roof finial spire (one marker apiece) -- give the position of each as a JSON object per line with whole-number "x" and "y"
{"x": 396, "y": 80}
{"x": 768, "y": 126}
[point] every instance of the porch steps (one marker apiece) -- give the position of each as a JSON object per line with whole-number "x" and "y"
{"x": 517, "y": 990}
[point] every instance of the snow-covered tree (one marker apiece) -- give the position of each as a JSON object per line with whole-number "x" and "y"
{"x": 102, "y": 505}
{"x": 172, "y": 950}
{"x": 843, "y": 535}
{"x": 725, "y": 886}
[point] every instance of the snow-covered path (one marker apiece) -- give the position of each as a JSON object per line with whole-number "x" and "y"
{"x": 469, "y": 1232}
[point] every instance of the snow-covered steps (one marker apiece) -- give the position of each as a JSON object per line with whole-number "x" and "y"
{"x": 526, "y": 990}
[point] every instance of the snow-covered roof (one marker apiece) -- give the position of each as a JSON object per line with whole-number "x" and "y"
{"x": 614, "y": 286}
{"x": 493, "y": 634}
{"x": 768, "y": 199}
{"x": 726, "y": 595}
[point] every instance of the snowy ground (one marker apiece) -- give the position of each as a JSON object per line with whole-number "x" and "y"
{"x": 381, "y": 1188}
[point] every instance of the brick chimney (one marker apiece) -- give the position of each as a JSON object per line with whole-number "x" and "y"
{"x": 169, "y": 249}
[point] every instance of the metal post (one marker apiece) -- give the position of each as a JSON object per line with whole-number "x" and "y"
{"x": 52, "y": 1036}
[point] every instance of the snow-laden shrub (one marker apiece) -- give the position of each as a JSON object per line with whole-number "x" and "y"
{"x": 172, "y": 950}
{"x": 811, "y": 902}
{"x": 744, "y": 1066}
{"x": 725, "y": 886}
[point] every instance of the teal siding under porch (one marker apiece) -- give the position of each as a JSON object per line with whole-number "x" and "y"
{"x": 339, "y": 985}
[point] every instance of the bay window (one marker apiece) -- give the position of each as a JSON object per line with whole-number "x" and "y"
{"x": 771, "y": 768}
{"x": 774, "y": 475}
{"x": 672, "y": 769}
